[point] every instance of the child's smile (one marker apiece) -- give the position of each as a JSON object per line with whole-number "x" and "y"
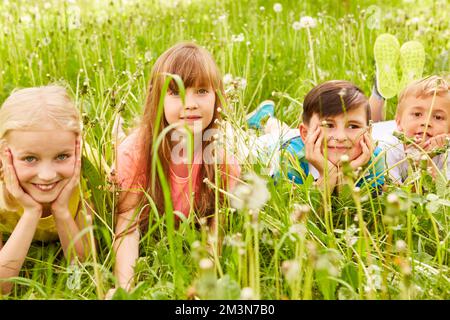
{"x": 43, "y": 160}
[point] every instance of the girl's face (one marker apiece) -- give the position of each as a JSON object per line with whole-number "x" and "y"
{"x": 44, "y": 161}
{"x": 198, "y": 112}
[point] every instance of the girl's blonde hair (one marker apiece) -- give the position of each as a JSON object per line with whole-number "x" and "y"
{"x": 33, "y": 109}
{"x": 197, "y": 68}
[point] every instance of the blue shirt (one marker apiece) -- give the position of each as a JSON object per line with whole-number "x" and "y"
{"x": 293, "y": 150}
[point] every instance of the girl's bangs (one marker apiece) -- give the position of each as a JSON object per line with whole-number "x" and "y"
{"x": 195, "y": 71}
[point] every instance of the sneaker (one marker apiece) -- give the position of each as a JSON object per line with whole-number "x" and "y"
{"x": 386, "y": 52}
{"x": 262, "y": 113}
{"x": 412, "y": 61}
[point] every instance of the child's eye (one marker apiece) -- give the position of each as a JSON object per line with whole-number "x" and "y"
{"x": 417, "y": 114}
{"x": 327, "y": 125}
{"x": 29, "y": 159}
{"x": 173, "y": 93}
{"x": 62, "y": 157}
{"x": 439, "y": 117}
{"x": 354, "y": 126}
{"x": 202, "y": 91}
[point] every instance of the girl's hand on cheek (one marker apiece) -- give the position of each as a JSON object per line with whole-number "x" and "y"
{"x": 13, "y": 187}
{"x": 61, "y": 204}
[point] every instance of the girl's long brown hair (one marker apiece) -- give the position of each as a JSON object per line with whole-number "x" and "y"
{"x": 197, "y": 68}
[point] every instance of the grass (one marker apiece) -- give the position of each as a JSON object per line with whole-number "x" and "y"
{"x": 302, "y": 244}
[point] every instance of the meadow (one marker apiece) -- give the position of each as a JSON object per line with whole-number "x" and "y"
{"x": 283, "y": 241}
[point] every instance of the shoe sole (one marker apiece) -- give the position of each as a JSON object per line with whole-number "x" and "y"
{"x": 386, "y": 53}
{"x": 265, "y": 102}
{"x": 412, "y": 61}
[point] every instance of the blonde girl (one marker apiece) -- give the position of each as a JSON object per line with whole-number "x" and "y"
{"x": 199, "y": 113}
{"x": 40, "y": 172}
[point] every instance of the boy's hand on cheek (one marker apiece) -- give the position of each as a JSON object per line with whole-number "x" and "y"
{"x": 313, "y": 150}
{"x": 367, "y": 148}
{"x": 13, "y": 186}
{"x": 436, "y": 142}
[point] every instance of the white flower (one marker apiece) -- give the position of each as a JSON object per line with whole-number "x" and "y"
{"x": 277, "y": 7}
{"x": 222, "y": 17}
{"x": 308, "y": 22}
{"x": 296, "y": 25}
{"x": 227, "y": 78}
{"x": 290, "y": 269}
{"x": 392, "y": 198}
{"x": 238, "y": 38}
{"x": 148, "y": 55}
{"x": 400, "y": 245}
{"x": 242, "y": 83}
{"x": 345, "y": 158}
{"x": 247, "y": 293}
{"x": 252, "y": 195}
{"x": 206, "y": 264}
{"x": 26, "y": 19}
{"x": 262, "y": 8}
{"x": 47, "y": 5}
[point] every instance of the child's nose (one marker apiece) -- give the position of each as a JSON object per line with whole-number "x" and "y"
{"x": 339, "y": 135}
{"x": 191, "y": 102}
{"x": 46, "y": 173}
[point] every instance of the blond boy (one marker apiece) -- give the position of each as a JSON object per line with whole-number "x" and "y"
{"x": 423, "y": 116}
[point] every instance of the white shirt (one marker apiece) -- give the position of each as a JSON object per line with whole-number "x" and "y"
{"x": 395, "y": 155}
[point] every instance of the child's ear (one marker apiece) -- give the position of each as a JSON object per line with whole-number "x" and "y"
{"x": 303, "y": 128}
{"x": 399, "y": 126}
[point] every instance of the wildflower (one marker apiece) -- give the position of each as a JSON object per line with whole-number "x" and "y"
{"x": 300, "y": 212}
{"x": 238, "y": 38}
{"x": 252, "y": 195}
{"x": 222, "y": 17}
{"x": 26, "y": 19}
{"x": 206, "y": 264}
{"x": 349, "y": 235}
{"x": 296, "y": 25}
{"x": 227, "y": 79}
{"x": 247, "y": 293}
{"x": 414, "y": 20}
{"x": 290, "y": 269}
{"x": 262, "y": 8}
{"x": 148, "y": 56}
{"x": 392, "y": 198}
{"x": 308, "y": 22}
{"x": 277, "y": 7}
{"x": 373, "y": 278}
{"x": 298, "y": 230}
{"x": 400, "y": 246}
{"x": 344, "y": 158}
{"x": 342, "y": 92}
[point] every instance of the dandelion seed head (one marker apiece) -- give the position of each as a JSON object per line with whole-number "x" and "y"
{"x": 400, "y": 246}
{"x": 296, "y": 25}
{"x": 247, "y": 293}
{"x": 392, "y": 198}
{"x": 308, "y": 22}
{"x": 277, "y": 7}
{"x": 206, "y": 264}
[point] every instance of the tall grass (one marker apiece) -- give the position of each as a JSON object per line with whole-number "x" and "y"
{"x": 302, "y": 244}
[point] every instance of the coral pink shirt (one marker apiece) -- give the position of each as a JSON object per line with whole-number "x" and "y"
{"x": 127, "y": 164}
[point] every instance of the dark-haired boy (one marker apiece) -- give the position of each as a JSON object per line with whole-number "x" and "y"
{"x": 334, "y": 129}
